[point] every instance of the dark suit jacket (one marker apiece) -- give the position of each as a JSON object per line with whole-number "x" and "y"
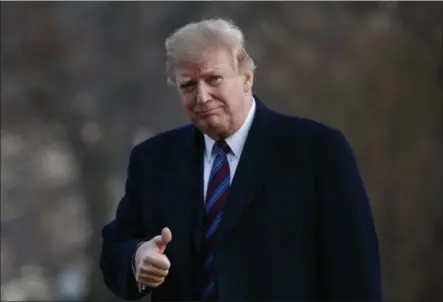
{"x": 297, "y": 224}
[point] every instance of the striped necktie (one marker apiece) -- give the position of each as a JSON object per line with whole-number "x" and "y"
{"x": 217, "y": 192}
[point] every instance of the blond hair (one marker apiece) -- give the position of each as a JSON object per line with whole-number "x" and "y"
{"x": 193, "y": 41}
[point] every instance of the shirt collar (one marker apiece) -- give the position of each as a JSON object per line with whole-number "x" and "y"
{"x": 236, "y": 141}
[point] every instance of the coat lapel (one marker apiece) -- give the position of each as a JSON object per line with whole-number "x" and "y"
{"x": 186, "y": 195}
{"x": 254, "y": 164}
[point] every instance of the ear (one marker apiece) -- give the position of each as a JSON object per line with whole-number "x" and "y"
{"x": 249, "y": 80}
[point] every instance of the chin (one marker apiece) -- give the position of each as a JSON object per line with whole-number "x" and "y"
{"x": 213, "y": 129}
{"x": 213, "y": 121}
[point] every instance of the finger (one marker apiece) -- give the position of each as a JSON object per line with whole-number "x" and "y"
{"x": 158, "y": 261}
{"x": 152, "y": 284}
{"x": 153, "y": 271}
{"x": 146, "y": 278}
{"x": 150, "y": 280}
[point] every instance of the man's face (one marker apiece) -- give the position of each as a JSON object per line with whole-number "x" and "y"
{"x": 216, "y": 96}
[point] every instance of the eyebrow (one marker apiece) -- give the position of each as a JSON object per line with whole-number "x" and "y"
{"x": 210, "y": 72}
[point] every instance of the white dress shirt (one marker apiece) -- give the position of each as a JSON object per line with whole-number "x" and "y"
{"x": 236, "y": 142}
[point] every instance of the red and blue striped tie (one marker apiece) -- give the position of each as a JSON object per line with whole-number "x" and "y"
{"x": 218, "y": 189}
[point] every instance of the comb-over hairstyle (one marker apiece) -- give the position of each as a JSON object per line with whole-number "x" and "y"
{"x": 193, "y": 41}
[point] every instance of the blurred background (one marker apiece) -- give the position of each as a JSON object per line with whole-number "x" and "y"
{"x": 83, "y": 82}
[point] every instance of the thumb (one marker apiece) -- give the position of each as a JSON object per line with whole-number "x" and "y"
{"x": 162, "y": 240}
{"x": 166, "y": 235}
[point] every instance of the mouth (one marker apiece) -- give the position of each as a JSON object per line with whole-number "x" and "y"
{"x": 206, "y": 113}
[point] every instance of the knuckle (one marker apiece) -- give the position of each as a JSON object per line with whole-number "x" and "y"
{"x": 142, "y": 269}
{"x": 147, "y": 269}
{"x": 147, "y": 258}
{"x": 155, "y": 283}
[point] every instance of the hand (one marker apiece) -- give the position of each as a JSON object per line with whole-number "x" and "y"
{"x": 152, "y": 265}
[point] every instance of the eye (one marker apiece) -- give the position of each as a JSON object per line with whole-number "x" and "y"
{"x": 188, "y": 86}
{"x": 214, "y": 80}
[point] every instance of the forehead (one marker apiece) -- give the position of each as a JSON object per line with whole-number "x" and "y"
{"x": 215, "y": 62}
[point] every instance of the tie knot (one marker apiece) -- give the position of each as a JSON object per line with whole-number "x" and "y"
{"x": 221, "y": 145}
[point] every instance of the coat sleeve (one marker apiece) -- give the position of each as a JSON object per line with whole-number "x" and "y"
{"x": 348, "y": 245}
{"x": 121, "y": 237}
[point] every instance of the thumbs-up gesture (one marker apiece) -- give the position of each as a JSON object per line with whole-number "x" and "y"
{"x": 152, "y": 265}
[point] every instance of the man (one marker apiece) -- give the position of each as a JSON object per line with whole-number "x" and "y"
{"x": 244, "y": 203}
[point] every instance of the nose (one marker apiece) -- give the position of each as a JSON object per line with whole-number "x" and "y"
{"x": 203, "y": 94}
